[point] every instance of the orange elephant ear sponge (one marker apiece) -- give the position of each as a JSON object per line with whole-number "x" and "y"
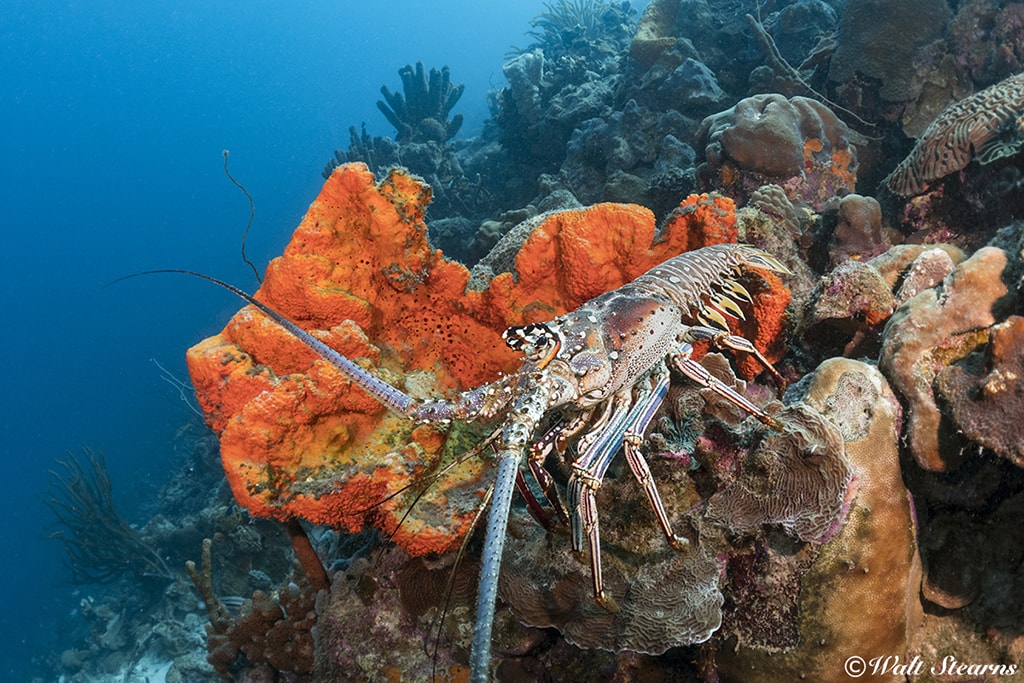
{"x": 299, "y": 440}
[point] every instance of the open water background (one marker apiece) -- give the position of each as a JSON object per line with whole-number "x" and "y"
{"x": 113, "y": 118}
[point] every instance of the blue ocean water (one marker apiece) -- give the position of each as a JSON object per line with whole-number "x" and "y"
{"x": 114, "y": 116}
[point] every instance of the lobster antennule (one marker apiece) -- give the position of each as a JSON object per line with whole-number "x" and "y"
{"x": 393, "y": 399}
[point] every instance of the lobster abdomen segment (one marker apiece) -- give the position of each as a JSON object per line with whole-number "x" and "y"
{"x": 703, "y": 282}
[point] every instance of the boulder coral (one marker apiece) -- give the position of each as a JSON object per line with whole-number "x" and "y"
{"x": 847, "y": 309}
{"x": 859, "y": 234}
{"x": 870, "y": 569}
{"x": 797, "y": 143}
{"x": 933, "y": 330}
{"x": 298, "y": 440}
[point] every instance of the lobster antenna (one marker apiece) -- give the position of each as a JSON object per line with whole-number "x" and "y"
{"x": 252, "y": 214}
{"x": 385, "y": 394}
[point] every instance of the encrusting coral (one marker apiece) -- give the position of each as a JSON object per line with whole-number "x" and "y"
{"x": 297, "y": 440}
{"x": 880, "y": 39}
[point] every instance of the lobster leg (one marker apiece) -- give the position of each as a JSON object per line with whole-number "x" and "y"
{"x": 721, "y": 341}
{"x": 632, "y": 439}
{"x": 628, "y": 421}
{"x": 682, "y": 362}
{"x": 588, "y": 471}
{"x": 555, "y": 439}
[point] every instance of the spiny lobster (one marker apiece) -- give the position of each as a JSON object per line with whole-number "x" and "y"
{"x": 605, "y": 369}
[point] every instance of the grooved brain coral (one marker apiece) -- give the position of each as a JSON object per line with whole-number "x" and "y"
{"x": 298, "y": 440}
{"x": 985, "y": 126}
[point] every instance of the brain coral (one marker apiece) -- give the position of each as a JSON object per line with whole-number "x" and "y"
{"x": 298, "y": 440}
{"x": 985, "y": 126}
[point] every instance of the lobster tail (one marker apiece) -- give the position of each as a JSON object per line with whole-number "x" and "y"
{"x": 703, "y": 281}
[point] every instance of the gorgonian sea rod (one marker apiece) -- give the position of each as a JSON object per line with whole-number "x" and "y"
{"x": 298, "y": 440}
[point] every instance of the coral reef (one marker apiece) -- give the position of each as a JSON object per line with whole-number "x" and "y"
{"x": 393, "y": 603}
{"x": 270, "y": 635}
{"x": 654, "y": 32}
{"x": 858, "y": 234}
{"x": 848, "y": 309}
{"x": 587, "y": 29}
{"x": 298, "y": 440}
{"x": 759, "y": 104}
{"x": 750, "y": 484}
{"x": 985, "y": 37}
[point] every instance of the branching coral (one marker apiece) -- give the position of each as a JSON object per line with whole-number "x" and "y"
{"x": 271, "y": 630}
{"x": 102, "y": 546}
{"x": 421, "y": 114}
{"x": 581, "y": 27}
{"x": 985, "y": 127}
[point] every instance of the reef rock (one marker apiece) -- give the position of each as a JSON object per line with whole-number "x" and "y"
{"x": 987, "y": 406}
{"x": 848, "y": 309}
